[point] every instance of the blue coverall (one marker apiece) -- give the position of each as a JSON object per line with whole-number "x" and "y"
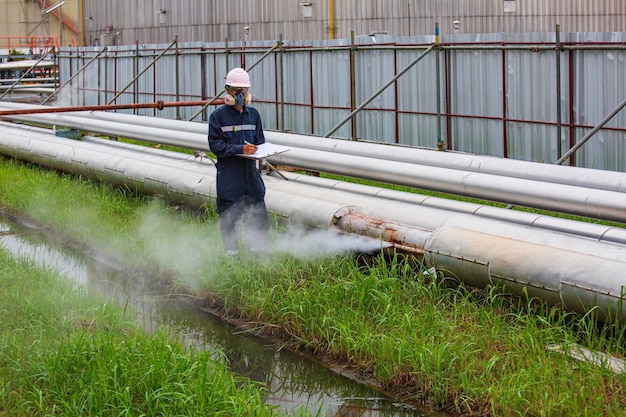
{"x": 240, "y": 188}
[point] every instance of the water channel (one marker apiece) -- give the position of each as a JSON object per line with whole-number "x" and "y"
{"x": 292, "y": 381}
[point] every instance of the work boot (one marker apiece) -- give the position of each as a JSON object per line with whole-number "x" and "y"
{"x": 232, "y": 254}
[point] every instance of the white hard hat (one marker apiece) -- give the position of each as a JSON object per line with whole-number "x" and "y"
{"x": 238, "y": 77}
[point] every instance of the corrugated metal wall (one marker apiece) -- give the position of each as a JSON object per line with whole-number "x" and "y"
{"x": 498, "y": 97}
{"x": 160, "y": 21}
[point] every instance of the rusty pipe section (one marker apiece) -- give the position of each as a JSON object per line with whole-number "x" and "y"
{"x": 408, "y": 239}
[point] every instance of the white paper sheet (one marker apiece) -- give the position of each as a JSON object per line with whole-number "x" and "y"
{"x": 266, "y": 149}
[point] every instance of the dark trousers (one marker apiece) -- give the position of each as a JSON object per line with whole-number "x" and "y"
{"x": 248, "y": 217}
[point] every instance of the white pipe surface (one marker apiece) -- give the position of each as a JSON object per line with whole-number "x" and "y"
{"x": 320, "y": 187}
{"x": 583, "y": 201}
{"x": 582, "y": 177}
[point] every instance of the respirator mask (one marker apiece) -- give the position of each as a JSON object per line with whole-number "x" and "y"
{"x": 237, "y": 97}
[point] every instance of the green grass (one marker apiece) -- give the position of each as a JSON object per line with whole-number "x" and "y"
{"x": 426, "y": 338}
{"x": 62, "y": 352}
{"x": 473, "y": 351}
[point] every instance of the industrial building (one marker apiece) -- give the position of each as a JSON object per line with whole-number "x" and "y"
{"x": 120, "y": 22}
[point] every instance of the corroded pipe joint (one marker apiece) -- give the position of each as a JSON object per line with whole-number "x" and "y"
{"x": 404, "y": 237}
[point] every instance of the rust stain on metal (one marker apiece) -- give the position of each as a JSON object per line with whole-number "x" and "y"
{"x": 378, "y": 229}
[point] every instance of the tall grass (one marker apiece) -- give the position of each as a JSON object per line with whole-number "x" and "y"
{"x": 469, "y": 350}
{"x": 64, "y": 352}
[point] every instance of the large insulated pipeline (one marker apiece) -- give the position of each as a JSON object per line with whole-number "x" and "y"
{"x": 585, "y": 201}
{"x": 345, "y": 192}
{"x": 579, "y": 281}
{"x": 198, "y": 141}
{"x": 581, "y": 177}
{"x": 411, "y": 209}
{"x": 578, "y": 200}
{"x": 559, "y": 174}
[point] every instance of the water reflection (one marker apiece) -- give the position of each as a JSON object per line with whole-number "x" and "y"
{"x": 293, "y": 382}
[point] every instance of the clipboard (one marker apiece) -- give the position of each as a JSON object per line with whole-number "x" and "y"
{"x": 266, "y": 149}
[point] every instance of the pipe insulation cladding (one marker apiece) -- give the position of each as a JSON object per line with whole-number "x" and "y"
{"x": 583, "y": 192}
{"x": 591, "y": 277}
{"x": 576, "y": 281}
{"x": 434, "y": 212}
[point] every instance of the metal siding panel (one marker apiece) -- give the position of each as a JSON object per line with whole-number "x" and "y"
{"x": 375, "y": 68}
{"x": 475, "y": 90}
{"x": 216, "y": 20}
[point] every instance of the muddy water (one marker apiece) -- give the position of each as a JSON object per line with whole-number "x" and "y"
{"x": 293, "y": 382}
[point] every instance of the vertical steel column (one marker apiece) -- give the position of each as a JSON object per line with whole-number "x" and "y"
{"x": 135, "y": 71}
{"x": 177, "y": 59}
{"x": 446, "y": 92}
{"x": 100, "y": 82}
{"x": 505, "y": 139}
{"x": 440, "y": 145}
{"x": 572, "y": 114}
{"x": 312, "y": 92}
{"x": 203, "y": 86}
{"x": 106, "y": 76}
{"x": 154, "y": 88}
{"x": 353, "y": 126}
{"x": 559, "y": 149}
{"x": 395, "y": 97}
{"x": 281, "y": 70}
{"x": 79, "y": 59}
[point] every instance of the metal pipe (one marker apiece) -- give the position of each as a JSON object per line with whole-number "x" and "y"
{"x": 576, "y": 281}
{"x": 596, "y": 203}
{"x": 434, "y": 216}
{"x": 439, "y": 144}
{"x": 469, "y": 212}
{"x": 280, "y": 192}
{"x": 24, "y": 75}
{"x": 406, "y": 238}
{"x": 156, "y": 105}
{"x": 461, "y": 213}
{"x": 548, "y": 173}
{"x": 600, "y": 204}
{"x": 584, "y": 177}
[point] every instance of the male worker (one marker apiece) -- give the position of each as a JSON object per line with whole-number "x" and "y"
{"x": 234, "y": 129}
